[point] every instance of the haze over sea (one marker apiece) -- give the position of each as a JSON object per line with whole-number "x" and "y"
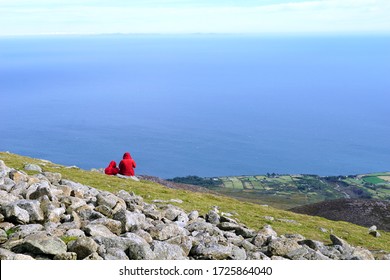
{"x": 207, "y": 105}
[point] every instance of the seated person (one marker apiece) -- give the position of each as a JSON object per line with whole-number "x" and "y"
{"x": 111, "y": 169}
{"x": 127, "y": 165}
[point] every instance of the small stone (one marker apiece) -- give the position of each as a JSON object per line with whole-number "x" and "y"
{"x": 32, "y": 167}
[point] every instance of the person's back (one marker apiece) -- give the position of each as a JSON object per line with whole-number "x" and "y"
{"x": 111, "y": 169}
{"x": 127, "y": 165}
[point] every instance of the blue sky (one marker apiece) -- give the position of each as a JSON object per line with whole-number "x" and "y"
{"x": 29, "y": 17}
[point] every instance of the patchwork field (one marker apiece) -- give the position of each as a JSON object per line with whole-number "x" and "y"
{"x": 286, "y": 191}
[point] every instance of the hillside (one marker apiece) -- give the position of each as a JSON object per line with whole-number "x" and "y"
{"x": 362, "y": 212}
{"x": 253, "y": 216}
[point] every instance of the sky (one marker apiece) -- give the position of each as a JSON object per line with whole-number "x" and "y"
{"x": 36, "y": 17}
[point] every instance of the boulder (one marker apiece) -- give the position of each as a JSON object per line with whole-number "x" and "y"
{"x": 131, "y": 221}
{"x": 53, "y": 178}
{"x": 282, "y": 246}
{"x": 97, "y": 230}
{"x": 15, "y": 214}
{"x": 166, "y": 251}
{"x": 165, "y": 231}
{"x": 211, "y": 252}
{"x": 41, "y": 243}
{"x": 83, "y": 247}
{"x": 33, "y": 207}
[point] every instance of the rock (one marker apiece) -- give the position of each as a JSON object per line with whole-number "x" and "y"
{"x": 213, "y": 217}
{"x": 193, "y": 215}
{"x": 360, "y": 253}
{"x": 22, "y": 231}
{"x": 338, "y": 241}
{"x": 7, "y": 198}
{"x": 97, "y": 230}
{"x": 166, "y": 231}
{"x": 18, "y": 176}
{"x": 68, "y": 256}
{"x": 53, "y": 178}
{"x": 40, "y": 243}
{"x": 282, "y": 246}
{"x": 1, "y": 218}
{"x": 32, "y": 167}
{"x": 4, "y": 170}
{"x": 171, "y": 212}
{"x": 131, "y": 199}
{"x": 43, "y": 189}
{"x": 15, "y": 214}
{"x": 3, "y": 236}
{"x": 93, "y": 257}
{"x": 72, "y": 203}
{"x": 83, "y": 247}
{"x": 114, "y": 254}
{"x": 372, "y": 228}
{"x": 7, "y": 184}
{"x": 166, "y": 251}
{"x": 211, "y": 252}
{"x": 201, "y": 226}
{"x": 263, "y": 236}
{"x": 75, "y": 232}
{"x": 150, "y": 211}
{"x": 113, "y": 225}
{"x": 109, "y": 200}
{"x": 138, "y": 248}
{"x": 131, "y": 221}
{"x": 373, "y": 231}
{"x": 33, "y": 208}
{"x": 9, "y": 255}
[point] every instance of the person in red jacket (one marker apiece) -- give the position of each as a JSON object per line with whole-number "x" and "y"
{"x": 127, "y": 165}
{"x": 111, "y": 169}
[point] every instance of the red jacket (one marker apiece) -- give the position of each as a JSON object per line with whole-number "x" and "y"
{"x": 111, "y": 169}
{"x": 127, "y": 165}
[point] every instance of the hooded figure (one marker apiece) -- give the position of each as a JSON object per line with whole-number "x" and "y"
{"x": 127, "y": 165}
{"x": 111, "y": 169}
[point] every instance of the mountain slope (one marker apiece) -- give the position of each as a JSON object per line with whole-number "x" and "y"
{"x": 253, "y": 215}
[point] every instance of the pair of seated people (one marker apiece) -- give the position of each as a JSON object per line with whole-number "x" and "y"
{"x": 126, "y": 166}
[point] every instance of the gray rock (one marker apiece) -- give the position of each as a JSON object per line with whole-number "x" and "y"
{"x": 131, "y": 221}
{"x": 7, "y": 184}
{"x": 131, "y": 199}
{"x": 257, "y": 255}
{"x": 213, "y": 217}
{"x": 9, "y": 255}
{"x": 4, "y": 170}
{"x": 113, "y": 225}
{"x": 15, "y": 214}
{"x": 211, "y": 252}
{"x": 109, "y": 200}
{"x": 98, "y": 230}
{"x": 53, "y": 178}
{"x": 1, "y": 218}
{"x": 83, "y": 247}
{"x": 166, "y": 231}
{"x": 138, "y": 248}
{"x": 72, "y": 203}
{"x": 21, "y": 231}
{"x": 75, "y": 232}
{"x": 43, "y": 189}
{"x": 114, "y": 254}
{"x": 201, "y": 226}
{"x": 151, "y": 211}
{"x": 67, "y": 256}
{"x": 40, "y": 243}
{"x": 282, "y": 246}
{"x": 3, "y": 236}
{"x": 360, "y": 253}
{"x": 171, "y": 212}
{"x": 32, "y": 167}
{"x": 263, "y": 236}
{"x": 193, "y": 215}
{"x": 7, "y": 198}
{"x": 185, "y": 243}
{"x": 338, "y": 241}
{"x": 166, "y": 251}
{"x": 33, "y": 208}
{"x": 93, "y": 257}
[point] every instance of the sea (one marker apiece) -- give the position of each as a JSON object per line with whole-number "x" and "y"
{"x": 199, "y": 104}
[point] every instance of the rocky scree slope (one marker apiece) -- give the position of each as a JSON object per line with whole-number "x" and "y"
{"x": 46, "y": 217}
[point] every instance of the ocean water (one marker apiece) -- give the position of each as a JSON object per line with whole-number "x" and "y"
{"x": 207, "y": 105}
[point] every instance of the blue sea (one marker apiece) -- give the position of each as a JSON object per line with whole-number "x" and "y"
{"x": 206, "y": 105}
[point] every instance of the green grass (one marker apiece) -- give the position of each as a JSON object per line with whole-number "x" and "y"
{"x": 373, "y": 180}
{"x": 248, "y": 213}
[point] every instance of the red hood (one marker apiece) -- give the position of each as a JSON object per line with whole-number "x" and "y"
{"x": 112, "y": 164}
{"x": 126, "y": 155}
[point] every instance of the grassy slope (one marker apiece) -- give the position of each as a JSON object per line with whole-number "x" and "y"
{"x": 250, "y": 214}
